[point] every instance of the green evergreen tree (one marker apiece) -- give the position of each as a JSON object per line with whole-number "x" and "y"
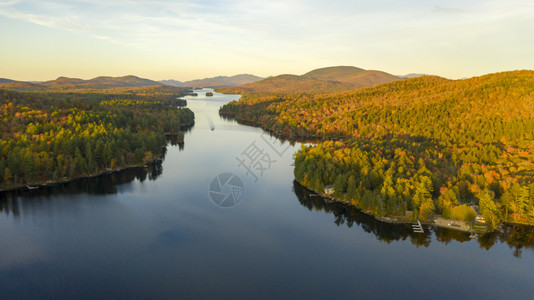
{"x": 488, "y": 209}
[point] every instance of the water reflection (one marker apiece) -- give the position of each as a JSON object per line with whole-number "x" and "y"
{"x": 12, "y": 202}
{"x": 175, "y": 141}
{"x": 517, "y": 237}
{"x": 349, "y": 216}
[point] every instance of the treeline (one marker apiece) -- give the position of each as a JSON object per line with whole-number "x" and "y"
{"x": 424, "y": 145}
{"x": 167, "y": 94}
{"x": 106, "y": 95}
{"x": 50, "y": 137}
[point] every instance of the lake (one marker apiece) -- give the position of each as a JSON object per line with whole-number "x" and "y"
{"x": 222, "y": 217}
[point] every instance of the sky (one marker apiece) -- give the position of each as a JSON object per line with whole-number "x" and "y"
{"x": 186, "y": 40}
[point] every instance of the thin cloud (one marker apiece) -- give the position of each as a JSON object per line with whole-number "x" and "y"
{"x": 278, "y": 30}
{"x": 449, "y": 10}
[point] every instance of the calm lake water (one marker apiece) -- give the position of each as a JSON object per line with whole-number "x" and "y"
{"x": 157, "y": 233}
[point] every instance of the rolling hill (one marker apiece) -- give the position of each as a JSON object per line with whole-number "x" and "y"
{"x": 21, "y": 86}
{"x": 223, "y": 81}
{"x": 172, "y": 82}
{"x": 334, "y": 73}
{"x": 352, "y": 75}
{"x": 287, "y": 83}
{"x": 330, "y": 79}
{"x": 102, "y": 82}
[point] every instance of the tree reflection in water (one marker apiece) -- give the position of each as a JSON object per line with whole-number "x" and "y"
{"x": 13, "y": 202}
{"x": 517, "y": 237}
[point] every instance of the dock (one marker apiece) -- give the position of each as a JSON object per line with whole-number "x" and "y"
{"x": 418, "y": 228}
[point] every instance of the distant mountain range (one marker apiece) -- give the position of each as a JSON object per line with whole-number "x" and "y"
{"x": 324, "y": 79}
{"x": 5, "y": 80}
{"x": 107, "y": 82}
{"x": 411, "y": 75}
{"x": 216, "y": 82}
{"x": 172, "y": 82}
{"x": 102, "y": 82}
{"x": 330, "y": 79}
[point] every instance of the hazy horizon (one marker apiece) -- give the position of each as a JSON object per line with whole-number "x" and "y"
{"x": 189, "y": 40}
{"x": 124, "y": 75}
{"x": 222, "y": 75}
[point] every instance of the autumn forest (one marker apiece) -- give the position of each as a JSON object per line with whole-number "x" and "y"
{"x": 423, "y": 145}
{"x": 60, "y": 134}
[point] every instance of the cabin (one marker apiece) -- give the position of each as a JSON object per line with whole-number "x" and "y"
{"x": 329, "y": 190}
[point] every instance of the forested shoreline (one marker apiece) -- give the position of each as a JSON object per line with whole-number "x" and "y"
{"x": 54, "y": 136}
{"x": 424, "y": 145}
{"x": 517, "y": 237}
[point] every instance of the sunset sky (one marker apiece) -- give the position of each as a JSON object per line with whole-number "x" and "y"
{"x": 184, "y": 40}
